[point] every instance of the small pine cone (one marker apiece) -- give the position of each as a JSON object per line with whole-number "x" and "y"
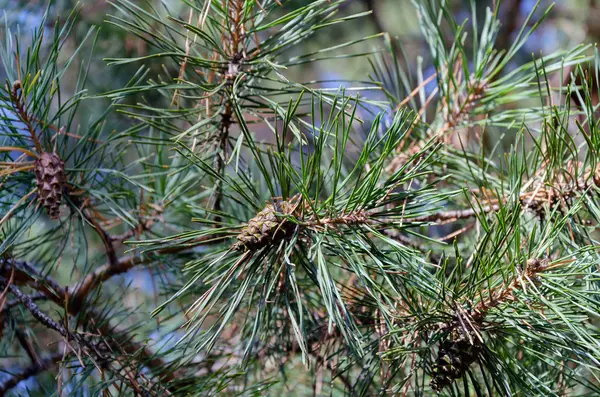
{"x": 456, "y": 353}
{"x": 50, "y": 179}
{"x": 267, "y": 227}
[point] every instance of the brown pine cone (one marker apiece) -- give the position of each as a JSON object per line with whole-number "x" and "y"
{"x": 455, "y": 355}
{"x": 267, "y": 227}
{"x": 50, "y": 179}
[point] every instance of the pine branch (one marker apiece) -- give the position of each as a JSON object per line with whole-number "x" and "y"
{"x": 46, "y": 320}
{"x": 34, "y": 297}
{"x": 505, "y": 292}
{"x": 534, "y": 199}
{"x": 233, "y": 43}
{"x": 18, "y": 100}
{"x": 74, "y": 302}
{"x": 59, "y": 296}
{"x": 82, "y": 289}
{"x": 455, "y": 215}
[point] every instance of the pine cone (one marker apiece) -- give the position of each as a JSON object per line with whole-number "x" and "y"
{"x": 267, "y": 227}
{"x": 456, "y": 353}
{"x": 50, "y": 179}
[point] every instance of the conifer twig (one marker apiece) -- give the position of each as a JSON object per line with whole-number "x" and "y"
{"x": 42, "y": 317}
{"x": 59, "y": 296}
{"x": 16, "y": 96}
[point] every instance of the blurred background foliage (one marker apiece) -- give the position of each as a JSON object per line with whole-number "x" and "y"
{"x": 569, "y": 23}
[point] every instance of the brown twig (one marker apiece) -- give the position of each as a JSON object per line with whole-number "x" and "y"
{"x": 48, "y": 322}
{"x": 533, "y": 199}
{"x": 221, "y": 155}
{"x": 454, "y": 215}
{"x": 107, "y": 240}
{"x": 505, "y": 292}
{"x": 233, "y": 44}
{"x": 463, "y": 98}
{"x": 123, "y": 265}
{"x": 18, "y": 101}
{"x": 359, "y": 217}
{"x": 56, "y": 293}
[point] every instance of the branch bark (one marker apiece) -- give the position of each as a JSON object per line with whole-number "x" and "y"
{"x": 26, "y": 273}
{"x": 118, "y": 336}
{"x": 46, "y": 320}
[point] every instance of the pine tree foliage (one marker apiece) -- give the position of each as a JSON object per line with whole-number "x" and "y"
{"x": 294, "y": 238}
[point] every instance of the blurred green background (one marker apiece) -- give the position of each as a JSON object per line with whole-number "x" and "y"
{"x": 570, "y": 22}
